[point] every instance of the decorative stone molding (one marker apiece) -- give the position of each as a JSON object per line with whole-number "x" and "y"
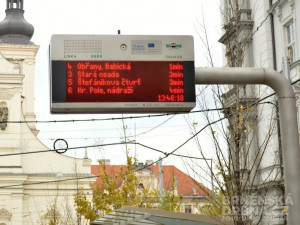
{"x": 3, "y": 115}
{"x": 282, "y": 4}
{"x": 292, "y": 4}
{"x": 8, "y": 67}
{"x": 6, "y": 94}
{"x": 30, "y": 61}
{"x": 5, "y": 215}
{"x": 279, "y": 13}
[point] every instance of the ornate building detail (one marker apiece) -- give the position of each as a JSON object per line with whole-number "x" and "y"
{"x": 281, "y": 4}
{"x": 30, "y": 61}
{"x": 279, "y": 13}
{"x": 6, "y": 94}
{"x": 237, "y": 36}
{"x": 3, "y": 117}
{"x": 292, "y": 4}
{"x": 5, "y": 215}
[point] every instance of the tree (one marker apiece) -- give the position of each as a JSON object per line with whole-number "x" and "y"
{"x": 169, "y": 200}
{"x": 58, "y": 213}
{"x": 114, "y": 191}
{"x": 215, "y": 209}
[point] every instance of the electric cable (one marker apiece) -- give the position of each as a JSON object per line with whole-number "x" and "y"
{"x": 132, "y": 117}
{"x": 110, "y": 119}
{"x": 165, "y": 153}
{"x": 121, "y": 143}
{"x": 61, "y": 149}
{"x": 94, "y": 176}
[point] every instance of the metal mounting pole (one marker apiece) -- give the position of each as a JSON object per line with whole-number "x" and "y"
{"x": 287, "y": 119}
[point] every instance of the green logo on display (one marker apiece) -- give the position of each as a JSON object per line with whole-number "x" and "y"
{"x": 174, "y": 45}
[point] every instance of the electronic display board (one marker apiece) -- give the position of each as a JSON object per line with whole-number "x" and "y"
{"x": 121, "y": 74}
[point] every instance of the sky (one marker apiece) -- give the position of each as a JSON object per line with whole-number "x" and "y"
{"x": 134, "y": 17}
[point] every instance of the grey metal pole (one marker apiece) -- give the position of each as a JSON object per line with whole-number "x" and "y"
{"x": 287, "y": 117}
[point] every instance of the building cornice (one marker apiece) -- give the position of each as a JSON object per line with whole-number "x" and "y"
{"x": 11, "y": 79}
{"x": 242, "y": 21}
{"x": 18, "y": 51}
{"x": 19, "y": 178}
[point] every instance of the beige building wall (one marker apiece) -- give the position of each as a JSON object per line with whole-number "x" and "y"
{"x": 30, "y": 183}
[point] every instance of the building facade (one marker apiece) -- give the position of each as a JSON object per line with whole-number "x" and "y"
{"x": 35, "y": 182}
{"x": 193, "y": 195}
{"x": 263, "y": 34}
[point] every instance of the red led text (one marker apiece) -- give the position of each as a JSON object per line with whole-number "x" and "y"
{"x": 135, "y": 81}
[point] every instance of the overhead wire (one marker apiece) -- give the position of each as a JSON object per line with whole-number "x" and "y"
{"x": 132, "y": 117}
{"x": 102, "y": 145}
{"x": 108, "y": 119}
{"x": 100, "y": 129}
{"x": 110, "y": 144}
{"x": 166, "y": 154}
{"x": 61, "y": 149}
{"x": 94, "y": 176}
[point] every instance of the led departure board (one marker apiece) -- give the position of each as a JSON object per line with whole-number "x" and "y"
{"x": 137, "y": 74}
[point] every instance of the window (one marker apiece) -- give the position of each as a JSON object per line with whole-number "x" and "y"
{"x": 188, "y": 209}
{"x": 291, "y": 41}
{"x": 140, "y": 186}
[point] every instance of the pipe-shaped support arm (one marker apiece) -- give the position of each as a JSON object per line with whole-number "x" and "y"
{"x": 287, "y": 118}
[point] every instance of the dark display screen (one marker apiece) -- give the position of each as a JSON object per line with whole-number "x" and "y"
{"x": 122, "y": 81}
